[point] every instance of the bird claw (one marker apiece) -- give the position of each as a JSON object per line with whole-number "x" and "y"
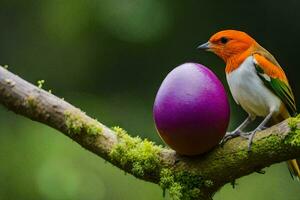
{"x": 250, "y": 137}
{"x": 262, "y": 128}
{"x": 230, "y": 135}
{"x": 247, "y": 135}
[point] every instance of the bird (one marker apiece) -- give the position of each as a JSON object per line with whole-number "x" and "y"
{"x": 257, "y": 83}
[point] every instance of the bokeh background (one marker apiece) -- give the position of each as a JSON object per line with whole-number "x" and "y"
{"x": 109, "y": 57}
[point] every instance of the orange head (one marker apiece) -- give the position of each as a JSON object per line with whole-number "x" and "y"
{"x": 228, "y": 44}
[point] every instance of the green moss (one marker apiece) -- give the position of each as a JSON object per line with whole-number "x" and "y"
{"x": 293, "y": 137}
{"x": 93, "y": 128}
{"x": 182, "y": 185}
{"x": 175, "y": 191}
{"x": 119, "y": 131}
{"x": 40, "y": 83}
{"x": 77, "y": 124}
{"x": 166, "y": 179}
{"x": 141, "y": 155}
{"x": 268, "y": 142}
{"x": 31, "y": 102}
{"x": 208, "y": 183}
{"x": 242, "y": 153}
{"x": 273, "y": 140}
{"x": 293, "y": 121}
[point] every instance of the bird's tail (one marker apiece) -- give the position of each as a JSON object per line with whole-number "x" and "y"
{"x": 294, "y": 168}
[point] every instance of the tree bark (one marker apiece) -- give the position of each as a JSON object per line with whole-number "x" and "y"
{"x": 197, "y": 177}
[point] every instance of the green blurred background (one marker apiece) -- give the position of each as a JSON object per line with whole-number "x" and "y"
{"x": 109, "y": 57}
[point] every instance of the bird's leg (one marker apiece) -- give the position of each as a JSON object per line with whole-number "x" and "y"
{"x": 260, "y": 127}
{"x": 238, "y": 130}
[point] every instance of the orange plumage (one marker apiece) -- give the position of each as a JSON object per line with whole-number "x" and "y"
{"x": 274, "y": 71}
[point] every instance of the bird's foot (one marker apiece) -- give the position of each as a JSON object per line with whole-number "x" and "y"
{"x": 250, "y": 139}
{"x": 250, "y": 136}
{"x": 230, "y": 135}
{"x": 247, "y": 135}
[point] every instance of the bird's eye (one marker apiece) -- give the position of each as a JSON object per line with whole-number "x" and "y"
{"x": 224, "y": 40}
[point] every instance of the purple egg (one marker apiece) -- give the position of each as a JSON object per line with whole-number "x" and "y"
{"x": 191, "y": 109}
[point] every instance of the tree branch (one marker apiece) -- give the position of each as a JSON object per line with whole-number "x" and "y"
{"x": 196, "y": 177}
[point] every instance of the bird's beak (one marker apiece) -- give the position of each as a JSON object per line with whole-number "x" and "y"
{"x": 206, "y": 46}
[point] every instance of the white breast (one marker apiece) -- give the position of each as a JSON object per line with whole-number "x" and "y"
{"x": 249, "y": 91}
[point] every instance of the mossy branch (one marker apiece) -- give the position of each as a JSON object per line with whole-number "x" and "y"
{"x": 185, "y": 178}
